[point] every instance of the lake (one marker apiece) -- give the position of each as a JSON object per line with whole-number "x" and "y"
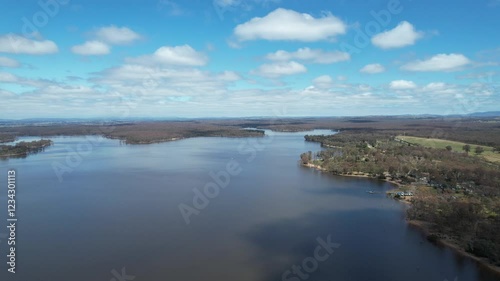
{"x": 91, "y": 208}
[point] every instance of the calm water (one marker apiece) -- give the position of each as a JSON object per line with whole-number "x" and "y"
{"x": 118, "y": 207}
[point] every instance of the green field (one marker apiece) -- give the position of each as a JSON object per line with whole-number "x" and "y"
{"x": 456, "y": 146}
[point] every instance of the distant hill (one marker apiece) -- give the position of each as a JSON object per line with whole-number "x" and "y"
{"x": 485, "y": 114}
{"x": 358, "y": 119}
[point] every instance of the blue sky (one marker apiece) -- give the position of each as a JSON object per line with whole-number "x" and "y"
{"x": 237, "y": 58}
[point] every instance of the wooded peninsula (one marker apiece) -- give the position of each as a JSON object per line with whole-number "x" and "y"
{"x": 23, "y": 149}
{"x": 453, "y": 187}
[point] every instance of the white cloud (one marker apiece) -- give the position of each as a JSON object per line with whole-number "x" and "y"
{"x": 435, "y": 86}
{"x": 103, "y": 38}
{"x": 16, "y": 44}
{"x": 7, "y": 77}
{"x": 183, "y": 55}
{"x": 91, "y": 48}
{"x": 440, "y": 62}
{"x": 228, "y": 76}
{"x": 158, "y": 80}
{"x": 310, "y": 55}
{"x": 116, "y": 35}
{"x": 402, "y": 35}
{"x": 282, "y": 24}
{"x": 372, "y": 68}
{"x": 159, "y": 91}
{"x": 6, "y": 94}
{"x": 280, "y": 69}
{"x": 8, "y": 62}
{"x": 323, "y": 82}
{"x": 402, "y": 85}
{"x": 439, "y": 88}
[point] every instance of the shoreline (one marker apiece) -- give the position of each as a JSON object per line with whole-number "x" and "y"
{"x": 421, "y": 226}
{"x": 457, "y": 249}
{"x": 358, "y": 175}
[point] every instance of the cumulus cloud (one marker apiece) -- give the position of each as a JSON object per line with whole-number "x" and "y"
{"x": 116, "y": 35}
{"x": 16, "y": 44}
{"x": 103, "y": 38}
{"x": 164, "y": 80}
{"x": 310, "y": 55}
{"x": 323, "y": 82}
{"x": 439, "y": 88}
{"x": 91, "y": 48}
{"x": 372, "y": 68}
{"x": 402, "y": 85}
{"x": 180, "y": 55}
{"x": 280, "y": 69}
{"x": 136, "y": 89}
{"x": 401, "y": 36}
{"x": 156, "y": 91}
{"x": 183, "y": 55}
{"x": 283, "y": 24}
{"x": 435, "y": 86}
{"x": 440, "y": 62}
{"x": 8, "y": 62}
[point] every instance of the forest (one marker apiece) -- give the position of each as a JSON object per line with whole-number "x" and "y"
{"x": 481, "y": 131}
{"x": 23, "y": 149}
{"x": 134, "y": 132}
{"x": 7, "y": 138}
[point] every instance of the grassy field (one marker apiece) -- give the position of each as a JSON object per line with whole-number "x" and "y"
{"x": 456, "y": 146}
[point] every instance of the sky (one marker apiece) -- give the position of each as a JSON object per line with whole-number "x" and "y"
{"x": 244, "y": 58}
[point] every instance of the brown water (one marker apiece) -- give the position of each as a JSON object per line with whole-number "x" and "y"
{"x": 117, "y": 207}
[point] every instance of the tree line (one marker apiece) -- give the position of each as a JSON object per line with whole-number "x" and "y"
{"x": 23, "y": 149}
